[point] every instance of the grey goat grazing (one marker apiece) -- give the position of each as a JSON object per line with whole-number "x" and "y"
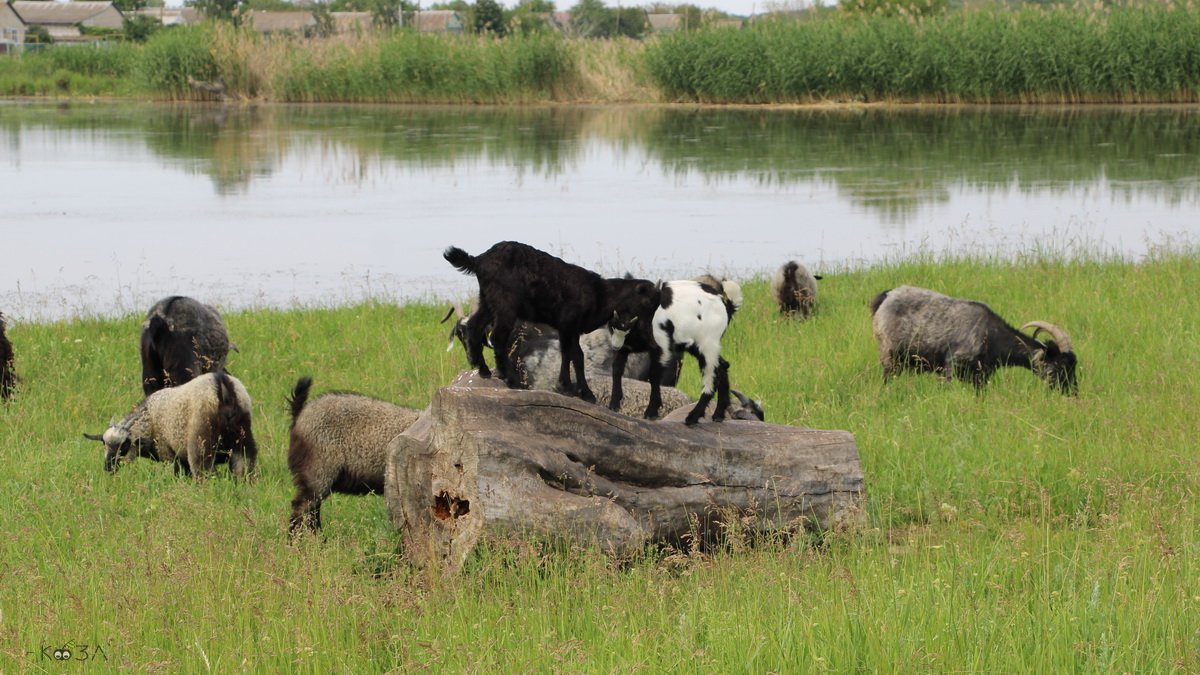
{"x": 196, "y": 425}
{"x": 338, "y": 443}
{"x": 181, "y": 339}
{"x": 923, "y": 330}
{"x": 795, "y": 289}
{"x": 8, "y": 376}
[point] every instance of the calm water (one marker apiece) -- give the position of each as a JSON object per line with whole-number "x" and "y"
{"x": 108, "y": 207}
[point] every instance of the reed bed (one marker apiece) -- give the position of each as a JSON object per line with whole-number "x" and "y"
{"x": 1014, "y": 531}
{"x": 1123, "y": 53}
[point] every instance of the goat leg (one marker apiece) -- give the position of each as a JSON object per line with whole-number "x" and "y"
{"x": 722, "y": 390}
{"x": 618, "y": 372}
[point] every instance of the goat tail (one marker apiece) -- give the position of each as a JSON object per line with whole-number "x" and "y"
{"x": 462, "y": 261}
{"x": 299, "y": 397}
{"x": 877, "y": 301}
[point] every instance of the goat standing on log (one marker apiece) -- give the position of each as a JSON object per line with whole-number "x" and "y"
{"x": 692, "y": 317}
{"x": 8, "y": 375}
{"x": 517, "y": 281}
{"x": 195, "y": 425}
{"x": 923, "y": 330}
{"x": 795, "y": 289}
{"x": 181, "y": 339}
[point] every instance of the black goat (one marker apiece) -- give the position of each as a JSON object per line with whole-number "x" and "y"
{"x": 181, "y": 339}
{"x": 8, "y": 376}
{"x": 517, "y": 281}
{"x": 923, "y": 330}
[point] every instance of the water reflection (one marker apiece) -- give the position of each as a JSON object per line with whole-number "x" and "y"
{"x": 287, "y": 199}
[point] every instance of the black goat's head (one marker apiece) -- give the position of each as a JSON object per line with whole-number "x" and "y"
{"x": 1055, "y": 362}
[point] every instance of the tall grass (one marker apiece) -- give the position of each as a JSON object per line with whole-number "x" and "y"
{"x": 1122, "y": 53}
{"x": 1014, "y": 531}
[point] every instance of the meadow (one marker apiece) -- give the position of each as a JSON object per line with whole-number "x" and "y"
{"x": 1014, "y": 531}
{"x": 1081, "y": 53}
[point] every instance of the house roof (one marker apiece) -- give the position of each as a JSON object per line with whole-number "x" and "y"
{"x": 664, "y": 22}
{"x": 275, "y": 22}
{"x": 437, "y": 19}
{"x": 171, "y": 16}
{"x": 346, "y": 22}
{"x": 60, "y": 13}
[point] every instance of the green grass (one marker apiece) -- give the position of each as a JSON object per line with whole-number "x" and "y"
{"x": 1016, "y": 531}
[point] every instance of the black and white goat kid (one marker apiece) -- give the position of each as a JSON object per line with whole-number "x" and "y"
{"x": 923, "y": 330}
{"x": 519, "y": 282}
{"x": 692, "y": 317}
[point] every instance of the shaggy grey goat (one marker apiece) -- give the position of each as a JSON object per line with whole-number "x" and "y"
{"x": 923, "y": 330}
{"x": 536, "y": 354}
{"x": 196, "y": 425}
{"x": 181, "y": 339}
{"x": 8, "y": 376}
{"x": 741, "y": 407}
{"x": 338, "y": 443}
{"x": 795, "y": 289}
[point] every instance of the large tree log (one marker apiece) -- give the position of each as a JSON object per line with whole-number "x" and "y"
{"x": 494, "y": 461}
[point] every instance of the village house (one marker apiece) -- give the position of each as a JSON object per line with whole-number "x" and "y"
{"x": 12, "y": 29}
{"x": 63, "y": 20}
{"x": 173, "y": 16}
{"x": 438, "y": 21}
{"x": 295, "y": 23}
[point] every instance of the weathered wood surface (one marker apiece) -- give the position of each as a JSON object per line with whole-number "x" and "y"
{"x": 495, "y": 461}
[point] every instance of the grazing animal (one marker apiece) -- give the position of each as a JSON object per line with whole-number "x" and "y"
{"x": 196, "y": 425}
{"x": 536, "y": 356}
{"x": 692, "y": 317}
{"x": 338, "y": 443}
{"x": 741, "y": 407}
{"x": 8, "y": 376}
{"x": 517, "y": 281}
{"x": 922, "y": 330}
{"x": 795, "y": 289}
{"x": 181, "y": 339}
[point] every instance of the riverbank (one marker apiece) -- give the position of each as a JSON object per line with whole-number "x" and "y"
{"x": 1014, "y": 531}
{"x": 1148, "y": 53}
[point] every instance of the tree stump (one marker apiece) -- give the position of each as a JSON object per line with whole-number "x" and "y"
{"x": 487, "y": 461}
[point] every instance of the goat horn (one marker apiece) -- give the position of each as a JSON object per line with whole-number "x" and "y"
{"x": 1059, "y": 335}
{"x": 740, "y": 397}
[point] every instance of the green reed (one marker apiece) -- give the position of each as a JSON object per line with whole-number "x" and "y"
{"x": 1122, "y": 53}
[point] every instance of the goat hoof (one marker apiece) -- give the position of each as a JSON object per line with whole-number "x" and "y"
{"x": 485, "y": 373}
{"x": 691, "y": 422}
{"x": 587, "y": 396}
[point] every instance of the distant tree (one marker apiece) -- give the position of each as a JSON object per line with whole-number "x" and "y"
{"x": 489, "y": 18}
{"x": 219, "y": 10}
{"x": 128, "y": 6}
{"x": 535, "y": 6}
{"x": 529, "y": 17}
{"x": 895, "y": 7}
{"x": 38, "y": 35}
{"x": 590, "y": 18}
{"x": 139, "y": 27}
{"x": 323, "y": 16}
{"x": 384, "y": 13}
